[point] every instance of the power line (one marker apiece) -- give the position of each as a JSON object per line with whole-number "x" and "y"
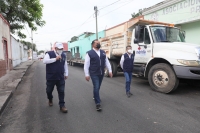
{"x": 110, "y": 4}
{"x": 109, "y": 12}
{"x": 90, "y": 2}
{"x": 116, "y": 8}
{"x": 83, "y": 23}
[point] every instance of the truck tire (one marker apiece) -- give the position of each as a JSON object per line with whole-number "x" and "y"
{"x": 162, "y": 78}
{"x": 114, "y": 68}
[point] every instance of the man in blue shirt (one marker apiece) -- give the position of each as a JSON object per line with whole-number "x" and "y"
{"x": 56, "y": 74}
{"x": 126, "y": 63}
{"x": 95, "y": 63}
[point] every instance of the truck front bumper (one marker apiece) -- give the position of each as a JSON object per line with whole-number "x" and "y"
{"x": 187, "y": 72}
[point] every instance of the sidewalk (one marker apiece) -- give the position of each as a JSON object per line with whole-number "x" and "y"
{"x": 10, "y": 81}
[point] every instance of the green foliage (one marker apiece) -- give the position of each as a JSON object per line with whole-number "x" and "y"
{"x": 88, "y": 34}
{"x": 29, "y": 45}
{"x": 41, "y": 51}
{"x": 134, "y": 15}
{"x": 21, "y": 12}
{"x": 73, "y": 39}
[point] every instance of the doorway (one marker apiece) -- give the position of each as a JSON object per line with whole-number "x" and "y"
{"x": 5, "y": 49}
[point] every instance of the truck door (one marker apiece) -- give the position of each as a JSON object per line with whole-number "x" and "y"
{"x": 143, "y": 49}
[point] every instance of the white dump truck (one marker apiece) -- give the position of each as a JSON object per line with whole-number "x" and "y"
{"x": 161, "y": 53}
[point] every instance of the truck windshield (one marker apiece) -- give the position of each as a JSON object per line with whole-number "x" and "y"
{"x": 166, "y": 34}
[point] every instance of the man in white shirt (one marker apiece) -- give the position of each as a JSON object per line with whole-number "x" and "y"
{"x": 56, "y": 74}
{"x": 95, "y": 63}
{"x": 126, "y": 63}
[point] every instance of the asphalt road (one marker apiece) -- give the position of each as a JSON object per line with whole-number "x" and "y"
{"x": 145, "y": 112}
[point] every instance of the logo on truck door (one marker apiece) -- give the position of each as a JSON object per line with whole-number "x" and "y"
{"x": 140, "y": 52}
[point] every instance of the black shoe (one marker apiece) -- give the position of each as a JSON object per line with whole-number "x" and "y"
{"x": 50, "y": 103}
{"x": 63, "y": 109}
{"x": 98, "y": 107}
{"x": 128, "y": 94}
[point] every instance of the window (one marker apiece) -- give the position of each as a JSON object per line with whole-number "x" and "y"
{"x": 166, "y": 34}
{"x": 141, "y": 37}
{"x": 146, "y": 36}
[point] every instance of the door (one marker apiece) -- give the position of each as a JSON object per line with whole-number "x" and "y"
{"x": 5, "y": 50}
{"x": 143, "y": 50}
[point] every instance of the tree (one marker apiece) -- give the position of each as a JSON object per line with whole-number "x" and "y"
{"x": 73, "y": 39}
{"x": 134, "y": 15}
{"x": 41, "y": 51}
{"x": 21, "y": 12}
{"x": 29, "y": 45}
{"x": 88, "y": 34}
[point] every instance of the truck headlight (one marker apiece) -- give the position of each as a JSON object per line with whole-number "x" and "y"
{"x": 189, "y": 62}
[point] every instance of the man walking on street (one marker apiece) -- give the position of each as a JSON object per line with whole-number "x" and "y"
{"x": 126, "y": 63}
{"x": 95, "y": 63}
{"x": 56, "y": 74}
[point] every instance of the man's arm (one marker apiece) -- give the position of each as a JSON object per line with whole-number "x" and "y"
{"x": 48, "y": 60}
{"x": 66, "y": 69}
{"x": 87, "y": 65}
{"x": 122, "y": 61}
{"x": 108, "y": 66}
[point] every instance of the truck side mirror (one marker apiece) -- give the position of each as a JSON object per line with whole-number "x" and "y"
{"x": 137, "y": 33}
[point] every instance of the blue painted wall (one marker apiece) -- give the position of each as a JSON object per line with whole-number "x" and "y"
{"x": 84, "y": 44}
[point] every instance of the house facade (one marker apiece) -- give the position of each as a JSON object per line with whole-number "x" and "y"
{"x": 185, "y": 14}
{"x": 5, "y": 47}
{"x": 19, "y": 52}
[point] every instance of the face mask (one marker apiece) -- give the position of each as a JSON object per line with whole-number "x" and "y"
{"x": 130, "y": 51}
{"x": 98, "y": 46}
{"x": 59, "y": 52}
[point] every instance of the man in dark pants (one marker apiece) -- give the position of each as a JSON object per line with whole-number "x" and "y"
{"x": 95, "y": 63}
{"x": 56, "y": 74}
{"x": 126, "y": 63}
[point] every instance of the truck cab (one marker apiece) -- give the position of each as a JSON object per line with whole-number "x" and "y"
{"x": 163, "y": 56}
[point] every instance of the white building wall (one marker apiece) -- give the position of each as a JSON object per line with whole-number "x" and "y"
{"x": 19, "y": 53}
{"x": 4, "y": 34}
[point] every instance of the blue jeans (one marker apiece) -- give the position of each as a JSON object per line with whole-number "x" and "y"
{"x": 97, "y": 80}
{"x": 128, "y": 77}
{"x": 60, "y": 84}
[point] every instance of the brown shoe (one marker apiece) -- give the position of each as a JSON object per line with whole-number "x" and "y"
{"x": 50, "y": 103}
{"x": 63, "y": 109}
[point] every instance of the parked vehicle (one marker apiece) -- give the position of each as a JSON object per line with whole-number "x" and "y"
{"x": 161, "y": 54}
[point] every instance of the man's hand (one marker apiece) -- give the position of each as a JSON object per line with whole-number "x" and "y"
{"x": 87, "y": 78}
{"x": 110, "y": 74}
{"x": 66, "y": 77}
{"x": 58, "y": 57}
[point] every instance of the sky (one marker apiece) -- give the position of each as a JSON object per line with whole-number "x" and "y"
{"x": 68, "y": 18}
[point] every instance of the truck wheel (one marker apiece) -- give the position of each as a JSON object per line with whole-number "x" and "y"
{"x": 162, "y": 78}
{"x": 114, "y": 68}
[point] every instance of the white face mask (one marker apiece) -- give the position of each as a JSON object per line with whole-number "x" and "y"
{"x": 130, "y": 51}
{"x": 59, "y": 51}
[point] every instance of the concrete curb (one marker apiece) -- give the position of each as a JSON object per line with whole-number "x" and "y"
{"x": 6, "y": 95}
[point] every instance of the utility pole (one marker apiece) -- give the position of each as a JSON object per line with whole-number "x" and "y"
{"x": 32, "y": 42}
{"x": 96, "y": 12}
